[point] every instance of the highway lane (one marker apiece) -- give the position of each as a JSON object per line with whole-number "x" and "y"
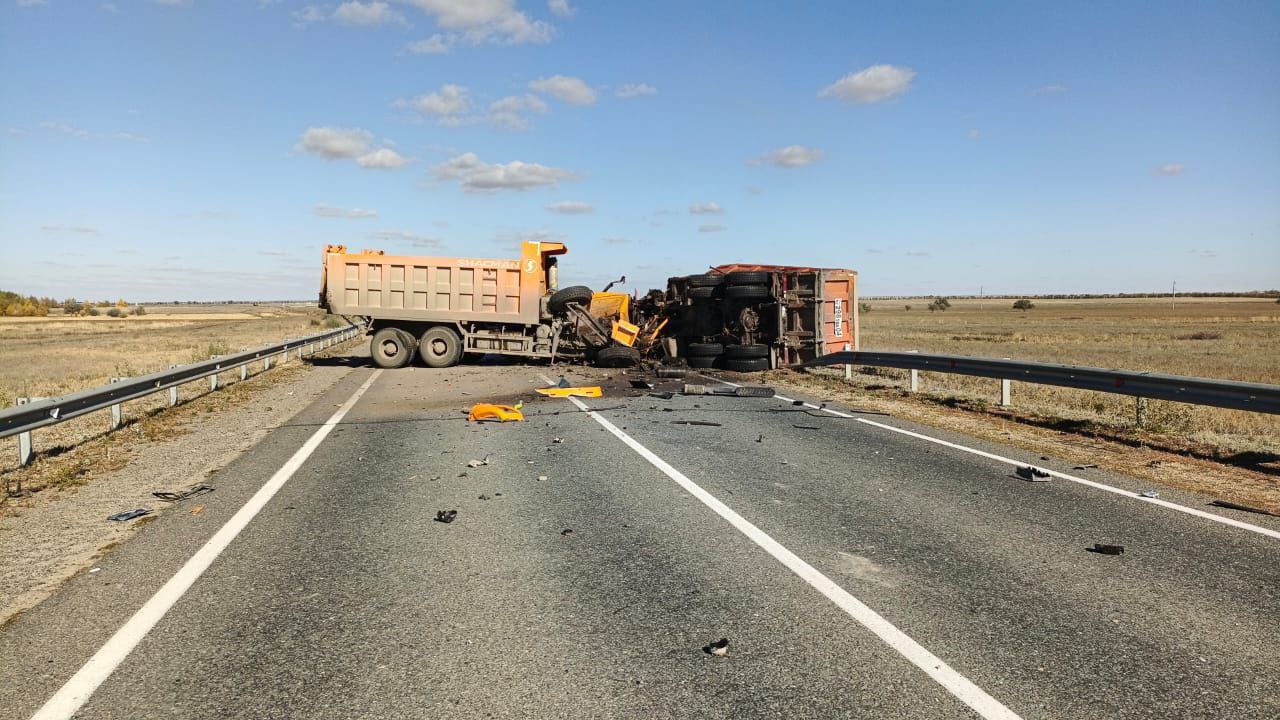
{"x": 344, "y": 598}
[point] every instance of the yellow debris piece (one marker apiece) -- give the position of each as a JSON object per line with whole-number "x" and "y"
{"x": 587, "y": 392}
{"x": 501, "y": 413}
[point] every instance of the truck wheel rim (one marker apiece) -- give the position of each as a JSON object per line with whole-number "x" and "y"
{"x": 390, "y": 348}
{"x": 439, "y": 347}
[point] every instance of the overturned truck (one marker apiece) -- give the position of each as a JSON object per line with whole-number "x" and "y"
{"x": 749, "y": 318}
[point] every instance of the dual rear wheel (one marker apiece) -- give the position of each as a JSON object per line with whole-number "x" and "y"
{"x": 439, "y": 347}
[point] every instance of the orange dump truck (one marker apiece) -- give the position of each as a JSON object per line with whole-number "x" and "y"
{"x": 440, "y": 308}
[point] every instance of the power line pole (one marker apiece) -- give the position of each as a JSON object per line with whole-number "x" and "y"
{"x": 1173, "y": 296}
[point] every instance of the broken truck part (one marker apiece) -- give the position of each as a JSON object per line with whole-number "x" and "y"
{"x": 440, "y": 309}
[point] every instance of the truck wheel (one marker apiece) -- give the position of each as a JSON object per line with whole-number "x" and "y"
{"x": 440, "y": 347}
{"x": 708, "y": 280}
{"x": 703, "y": 362}
{"x": 560, "y": 299}
{"x": 748, "y": 277}
{"x": 702, "y": 292}
{"x": 391, "y": 348}
{"x": 704, "y": 349}
{"x": 746, "y": 292}
{"x": 753, "y": 365}
{"x": 617, "y": 356}
{"x": 746, "y": 352}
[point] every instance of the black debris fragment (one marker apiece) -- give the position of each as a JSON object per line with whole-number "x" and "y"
{"x": 485, "y": 497}
{"x": 704, "y": 423}
{"x": 1245, "y": 508}
{"x": 719, "y": 648}
{"x": 798, "y": 403}
{"x": 446, "y": 516}
{"x": 129, "y": 515}
{"x": 1086, "y": 466}
{"x": 1102, "y": 549}
{"x": 671, "y": 372}
{"x": 662, "y": 395}
{"x": 566, "y": 532}
{"x": 1034, "y": 474}
{"x": 760, "y": 439}
{"x": 806, "y": 427}
{"x": 177, "y": 495}
{"x": 641, "y": 384}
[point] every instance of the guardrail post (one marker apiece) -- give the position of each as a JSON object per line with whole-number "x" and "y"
{"x": 244, "y": 372}
{"x": 213, "y": 379}
{"x": 173, "y": 391}
{"x": 1140, "y": 412}
{"x": 266, "y": 363}
{"x": 25, "y": 449}
{"x": 848, "y": 369}
{"x": 1004, "y": 392}
{"x": 117, "y": 410}
{"x": 913, "y": 384}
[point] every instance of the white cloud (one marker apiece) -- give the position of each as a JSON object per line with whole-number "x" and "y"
{"x": 974, "y": 134}
{"x": 435, "y": 45}
{"x": 475, "y": 175}
{"x": 335, "y": 143}
{"x": 571, "y": 207}
{"x": 494, "y": 21}
{"x": 630, "y": 90}
{"x": 449, "y": 100}
{"x": 872, "y": 85}
{"x": 706, "y": 208}
{"x": 382, "y": 159}
{"x": 711, "y": 228}
{"x": 31, "y": 3}
{"x": 1170, "y": 169}
{"x": 918, "y": 253}
{"x": 307, "y": 15}
{"x": 336, "y": 212}
{"x": 1049, "y": 90}
{"x": 791, "y": 156}
{"x": 65, "y": 128}
{"x": 509, "y": 111}
{"x": 561, "y": 8}
{"x": 614, "y": 240}
{"x": 80, "y": 229}
{"x": 367, "y": 14}
{"x": 404, "y": 236}
{"x": 173, "y": 3}
{"x": 569, "y": 89}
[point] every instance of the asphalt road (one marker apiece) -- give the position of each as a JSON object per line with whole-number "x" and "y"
{"x": 344, "y": 598}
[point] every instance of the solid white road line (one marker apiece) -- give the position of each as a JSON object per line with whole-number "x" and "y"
{"x": 1018, "y": 463}
{"x": 933, "y": 666}
{"x": 82, "y": 685}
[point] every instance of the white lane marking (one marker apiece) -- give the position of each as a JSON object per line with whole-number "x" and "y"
{"x": 933, "y": 666}
{"x": 1065, "y": 476}
{"x": 82, "y": 685}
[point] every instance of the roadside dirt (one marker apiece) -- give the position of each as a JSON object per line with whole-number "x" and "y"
{"x": 49, "y": 536}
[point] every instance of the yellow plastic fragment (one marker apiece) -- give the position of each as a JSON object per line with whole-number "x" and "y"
{"x": 501, "y": 413}
{"x": 587, "y": 392}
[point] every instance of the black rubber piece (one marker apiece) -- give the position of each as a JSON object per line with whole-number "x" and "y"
{"x": 617, "y": 356}
{"x": 703, "y": 361}
{"x": 746, "y": 292}
{"x": 755, "y": 365}
{"x": 746, "y": 352}
{"x": 702, "y": 293}
{"x": 708, "y": 280}
{"x": 748, "y": 277}
{"x": 391, "y": 348}
{"x": 440, "y": 347}
{"x": 704, "y": 349}
{"x": 560, "y": 299}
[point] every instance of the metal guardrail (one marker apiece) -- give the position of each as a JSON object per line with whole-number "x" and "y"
{"x": 33, "y": 413}
{"x": 1257, "y": 397}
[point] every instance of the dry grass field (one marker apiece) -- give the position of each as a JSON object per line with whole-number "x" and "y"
{"x": 1229, "y": 338}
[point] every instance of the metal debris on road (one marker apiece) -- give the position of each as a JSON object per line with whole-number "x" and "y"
{"x": 129, "y": 515}
{"x": 641, "y": 384}
{"x": 566, "y": 532}
{"x": 760, "y": 439}
{"x": 501, "y": 413}
{"x": 541, "y": 478}
{"x": 177, "y": 495}
{"x": 1245, "y": 508}
{"x": 704, "y": 423}
{"x": 1102, "y": 549}
{"x": 478, "y": 463}
{"x": 798, "y": 403}
{"x": 756, "y": 392}
{"x": 1086, "y": 466}
{"x": 719, "y": 648}
{"x": 671, "y": 372}
{"x": 1034, "y": 474}
{"x": 485, "y": 497}
{"x": 592, "y": 391}
{"x": 806, "y": 427}
{"x": 662, "y": 395}
{"x": 446, "y": 516}
{"x": 557, "y": 441}
{"x": 1149, "y": 494}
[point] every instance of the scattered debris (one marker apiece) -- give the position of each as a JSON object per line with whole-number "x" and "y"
{"x": 177, "y": 495}
{"x": 1246, "y": 508}
{"x": 805, "y": 427}
{"x": 562, "y": 383}
{"x": 756, "y": 392}
{"x": 1149, "y": 494}
{"x": 541, "y": 478}
{"x": 557, "y": 441}
{"x": 1086, "y": 466}
{"x": 501, "y": 413}
{"x": 129, "y": 515}
{"x": 478, "y": 463}
{"x": 705, "y": 423}
{"x": 641, "y": 384}
{"x": 446, "y": 516}
{"x": 593, "y": 391}
{"x": 719, "y": 648}
{"x": 672, "y": 372}
{"x": 1034, "y": 474}
{"x": 760, "y": 439}
{"x": 663, "y": 395}
{"x": 485, "y": 497}
{"x": 1102, "y": 549}
{"x": 1154, "y": 464}
{"x": 94, "y": 570}
{"x": 197, "y": 510}
{"x": 798, "y": 403}
{"x": 566, "y": 532}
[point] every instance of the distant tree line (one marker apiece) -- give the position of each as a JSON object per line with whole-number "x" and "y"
{"x": 14, "y": 305}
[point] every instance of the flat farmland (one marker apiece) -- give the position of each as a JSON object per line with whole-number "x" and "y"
{"x": 1227, "y": 338}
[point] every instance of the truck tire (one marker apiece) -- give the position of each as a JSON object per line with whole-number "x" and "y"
{"x": 753, "y": 365}
{"x": 748, "y": 277}
{"x": 703, "y": 362}
{"x": 746, "y": 352}
{"x": 704, "y": 349}
{"x": 746, "y": 292}
{"x": 560, "y": 299}
{"x": 391, "y": 348}
{"x": 617, "y": 356}
{"x": 702, "y": 292}
{"x": 708, "y": 280}
{"x": 440, "y": 347}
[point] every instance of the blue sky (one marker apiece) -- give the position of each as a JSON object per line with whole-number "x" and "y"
{"x": 206, "y": 150}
